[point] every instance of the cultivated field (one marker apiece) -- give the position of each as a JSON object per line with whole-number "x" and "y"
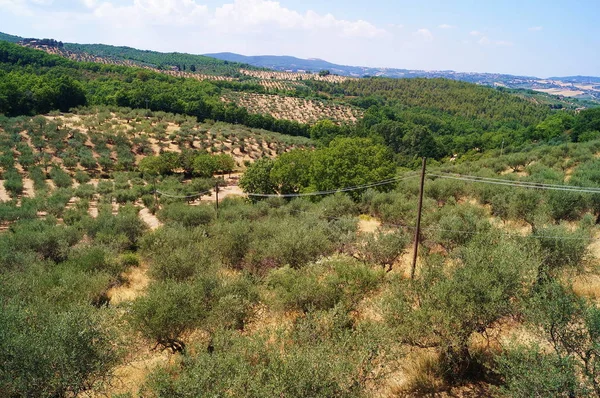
{"x": 272, "y": 75}
{"x": 296, "y": 109}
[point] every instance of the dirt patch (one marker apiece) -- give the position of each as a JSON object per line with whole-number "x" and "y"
{"x": 28, "y": 189}
{"x": 368, "y": 225}
{"x": 224, "y": 192}
{"x": 137, "y": 281}
{"x": 150, "y": 219}
{"x": 129, "y": 378}
{"x": 4, "y": 196}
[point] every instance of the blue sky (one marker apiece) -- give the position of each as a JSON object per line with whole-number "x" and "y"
{"x": 527, "y": 37}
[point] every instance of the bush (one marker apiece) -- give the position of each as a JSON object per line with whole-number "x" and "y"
{"x": 323, "y": 286}
{"x": 488, "y": 285}
{"x": 561, "y": 248}
{"x": 249, "y": 366}
{"x": 384, "y": 248}
{"x": 169, "y": 310}
{"x": 529, "y": 372}
{"x": 188, "y": 216}
{"x": 82, "y": 177}
{"x": 49, "y": 353}
{"x": 60, "y": 178}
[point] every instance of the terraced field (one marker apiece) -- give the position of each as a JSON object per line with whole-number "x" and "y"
{"x": 296, "y": 109}
{"x": 66, "y": 165}
{"x": 290, "y": 76}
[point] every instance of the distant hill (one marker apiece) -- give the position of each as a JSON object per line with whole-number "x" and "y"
{"x": 582, "y": 88}
{"x": 182, "y": 61}
{"x": 283, "y": 63}
{"x": 553, "y": 85}
{"x": 10, "y": 38}
{"x": 578, "y": 79}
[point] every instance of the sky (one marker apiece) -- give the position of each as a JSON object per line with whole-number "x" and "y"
{"x": 540, "y": 38}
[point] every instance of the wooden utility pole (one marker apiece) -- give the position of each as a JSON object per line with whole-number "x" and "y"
{"x": 155, "y": 195}
{"x": 418, "y": 227}
{"x": 217, "y": 197}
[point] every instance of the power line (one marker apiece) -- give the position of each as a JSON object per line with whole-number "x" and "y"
{"x": 565, "y": 188}
{"x": 182, "y": 197}
{"x": 531, "y": 183}
{"x": 347, "y": 189}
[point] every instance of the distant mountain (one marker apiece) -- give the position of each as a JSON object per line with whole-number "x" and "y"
{"x": 283, "y": 63}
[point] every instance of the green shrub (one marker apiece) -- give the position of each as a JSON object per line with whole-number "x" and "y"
{"x": 528, "y": 372}
{"x": 82, "y": 177}
{"x": 49, "y": 353}
{"x": 188, "y": 216}
{"x": 60, "y": 178}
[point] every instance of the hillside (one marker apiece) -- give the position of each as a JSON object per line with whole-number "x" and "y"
{"x": 183, "y": 62}
{"x": 434, "y": 117}
{"x": 580, "y": 89}
{"x": 110, "y": 241}
{"x": 177, "y": 234}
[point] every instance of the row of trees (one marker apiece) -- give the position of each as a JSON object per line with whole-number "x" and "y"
{"x": 192, "y": 163}
{"x": 345, "y": 162}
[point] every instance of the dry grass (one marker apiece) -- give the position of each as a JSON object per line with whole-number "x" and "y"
{"x": 4, "y": 196}
{"x": 136, "y": 282}
{"x": 368, "y": 224}
{"x": 419, "y": 375}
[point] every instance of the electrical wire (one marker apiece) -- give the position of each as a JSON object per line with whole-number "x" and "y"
{"x": 565, "y": 188}
{"x": 182, "y": 197}
{"x": 347, "y": 189}
{"x": 530, "y": 183}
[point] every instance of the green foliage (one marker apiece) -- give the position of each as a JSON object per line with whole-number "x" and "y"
{"x": 529, "y": 372}
{"x": 561, "y": 248}
{"x": 349, "y": 162}
{"x": 571, "y": 327}
{"x": 188, "y": 216}
{"x": 257, "y": 178}
{"x": 49, "y": 353}
{"x": 446, "y": 309}
{"x": 291, "y": 171}
{"x": 384, "y": 247}
{"x": 337, "y": 365}
{"x": 323, "y": 286}
{"x": 171, "y": 309}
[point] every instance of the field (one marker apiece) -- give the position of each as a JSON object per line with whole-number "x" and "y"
{"x": 291, "y": 76}
{"x": 324, "y": 279}
{"x": 296, "y": 109}
{"x": 87, "y": 147}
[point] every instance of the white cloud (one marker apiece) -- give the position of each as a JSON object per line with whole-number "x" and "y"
{"x": 475, "y": 33}
{"x": 536, "y": 28}
{"x": 16, "y": 7}
{"x": 484, "y": 41}
{"x": 424, "y": 34}
{"x": 238, "y": 16}
{"x": 446, "y": 26}
{"x": 152, "y": 12}
{"x": 244, "y": 14}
